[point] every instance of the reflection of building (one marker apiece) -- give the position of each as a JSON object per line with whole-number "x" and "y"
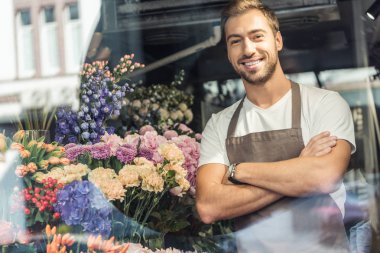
{"x": 43, "y": 52}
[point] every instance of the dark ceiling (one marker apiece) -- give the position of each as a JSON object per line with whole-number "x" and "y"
{"x": 318, "y": 35}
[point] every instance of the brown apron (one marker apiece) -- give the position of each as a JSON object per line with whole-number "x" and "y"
{"x": 290, "y": 225}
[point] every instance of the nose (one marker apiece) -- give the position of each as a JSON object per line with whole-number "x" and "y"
{"x": 249, "y": 47}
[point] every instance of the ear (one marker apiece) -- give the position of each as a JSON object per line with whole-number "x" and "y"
{"x": 279, "y": 42}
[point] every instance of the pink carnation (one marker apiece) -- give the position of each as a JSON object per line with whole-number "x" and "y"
{"x": 132, "y": 139}
{"x": 191, "y": 151}
{"x": 145, "y": 129}
{"x": 151, "y": 140}
{"x": 184, "y": 128}
{"x": 169, "y": 134}
{"x": 114, "y": 141}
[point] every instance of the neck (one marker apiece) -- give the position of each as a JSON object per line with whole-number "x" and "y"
{"x": 266, "y": 94}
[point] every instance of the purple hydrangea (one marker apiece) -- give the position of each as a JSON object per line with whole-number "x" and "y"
{"x": 81, "y": 203}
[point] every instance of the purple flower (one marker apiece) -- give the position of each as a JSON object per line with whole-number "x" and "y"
{"x": 93, "y": 135}
{"x": 81, "y": 203}
{"x": 126, "y": 153}
{"x": 72, "y": 153}
{"x": 76, "y": 129}
{"x": 72, "y": 139}
{"x": 100, "y": 151}
{"x": 80, "y": 114}
{"x": 85, "y": 135}
{"x": 106, "y": 109}
{"x": 146, "y": 152}
{"x": 70, "y": 145}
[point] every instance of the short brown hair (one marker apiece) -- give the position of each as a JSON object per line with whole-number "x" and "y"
{"x": 238, "y": 7}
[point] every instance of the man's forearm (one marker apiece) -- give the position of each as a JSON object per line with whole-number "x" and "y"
{"x": 299, "y": 176}
{"x": 218, "y": 201}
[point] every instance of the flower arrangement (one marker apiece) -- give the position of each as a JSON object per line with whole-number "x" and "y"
{"x": 158, "y": 105}
{"x": 101, "y": 94}
{"x": 139, "y": 173}
{"x": 36, "y": 157}
{"x": 148, "y": 162}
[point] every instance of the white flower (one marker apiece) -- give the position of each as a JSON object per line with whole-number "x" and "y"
{"x": 182, "y": 107}
{"x": 164, "y": 114}
{"x": 188, "y": 115}
{"x": 136, "y": 103}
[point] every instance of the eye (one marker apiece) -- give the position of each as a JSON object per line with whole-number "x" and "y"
{"x": 234, "y": 42}
{"x": 258, "y": 36}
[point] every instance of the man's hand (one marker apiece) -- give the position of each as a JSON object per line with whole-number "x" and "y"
{"x": 319, "y": 145}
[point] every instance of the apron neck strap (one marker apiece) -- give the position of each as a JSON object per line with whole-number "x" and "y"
{"x": 296, "y": 105}
{"x": 296, "y": 110}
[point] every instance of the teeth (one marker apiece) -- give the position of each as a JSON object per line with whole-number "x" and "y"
{"x": 252, "y": 63}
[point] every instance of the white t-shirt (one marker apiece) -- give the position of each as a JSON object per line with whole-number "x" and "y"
{"x": 321, "y": 110}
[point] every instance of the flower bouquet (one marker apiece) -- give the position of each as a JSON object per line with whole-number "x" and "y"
{"x": 35, "y": 157}
{"x": 158, "y": 105}
{"x": 137, "y": 172}
{"x": 101, "y": 94}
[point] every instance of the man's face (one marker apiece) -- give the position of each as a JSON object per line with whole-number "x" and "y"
{"x": 252, "y": 47}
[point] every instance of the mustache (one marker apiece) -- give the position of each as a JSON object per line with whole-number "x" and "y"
{"x": 245, "y": 57}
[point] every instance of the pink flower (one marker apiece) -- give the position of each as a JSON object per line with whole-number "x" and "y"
{"x": 7, "y": 233}
{"x": 157, "y": 158}
{"x": 198, "y": 136}
{"x": 169, "y": 134}
{"x": 150, "y": 141}
{"x": 191, "y": 151}
{"x": 132, "y": 139}
{"x": 184, "y": 128}
{"x": 114, "y": 141}
{"x": 177, "y": 191}
{"x": 146, "y": 128}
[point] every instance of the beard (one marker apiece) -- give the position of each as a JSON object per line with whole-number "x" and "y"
{"x": 255, "y": 78}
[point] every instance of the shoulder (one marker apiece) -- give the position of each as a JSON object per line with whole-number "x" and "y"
{"x": 314, "y": 97}
{"x": 315, "y": 93}
{"x": 225, "y": 115}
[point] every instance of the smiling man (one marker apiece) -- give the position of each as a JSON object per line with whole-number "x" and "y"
{"x": 274, "y": 161}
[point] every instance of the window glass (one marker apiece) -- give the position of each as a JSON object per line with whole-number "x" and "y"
{"x": 73, "y": 11}
{"x": 25, "y": 44}
{"x": 49, "y": 14}
{"x": 25, "y": 17}
{"x": 130, "y": 129}
{"x": 49, "y": 42}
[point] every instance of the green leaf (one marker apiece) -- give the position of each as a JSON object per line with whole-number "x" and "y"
{"x": 156, "y": 215}
{"x": 180, "y": 225}
{"x": 38, "y": 217}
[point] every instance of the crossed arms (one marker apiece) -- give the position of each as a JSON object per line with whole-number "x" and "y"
{"x": 318, "y": 169}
